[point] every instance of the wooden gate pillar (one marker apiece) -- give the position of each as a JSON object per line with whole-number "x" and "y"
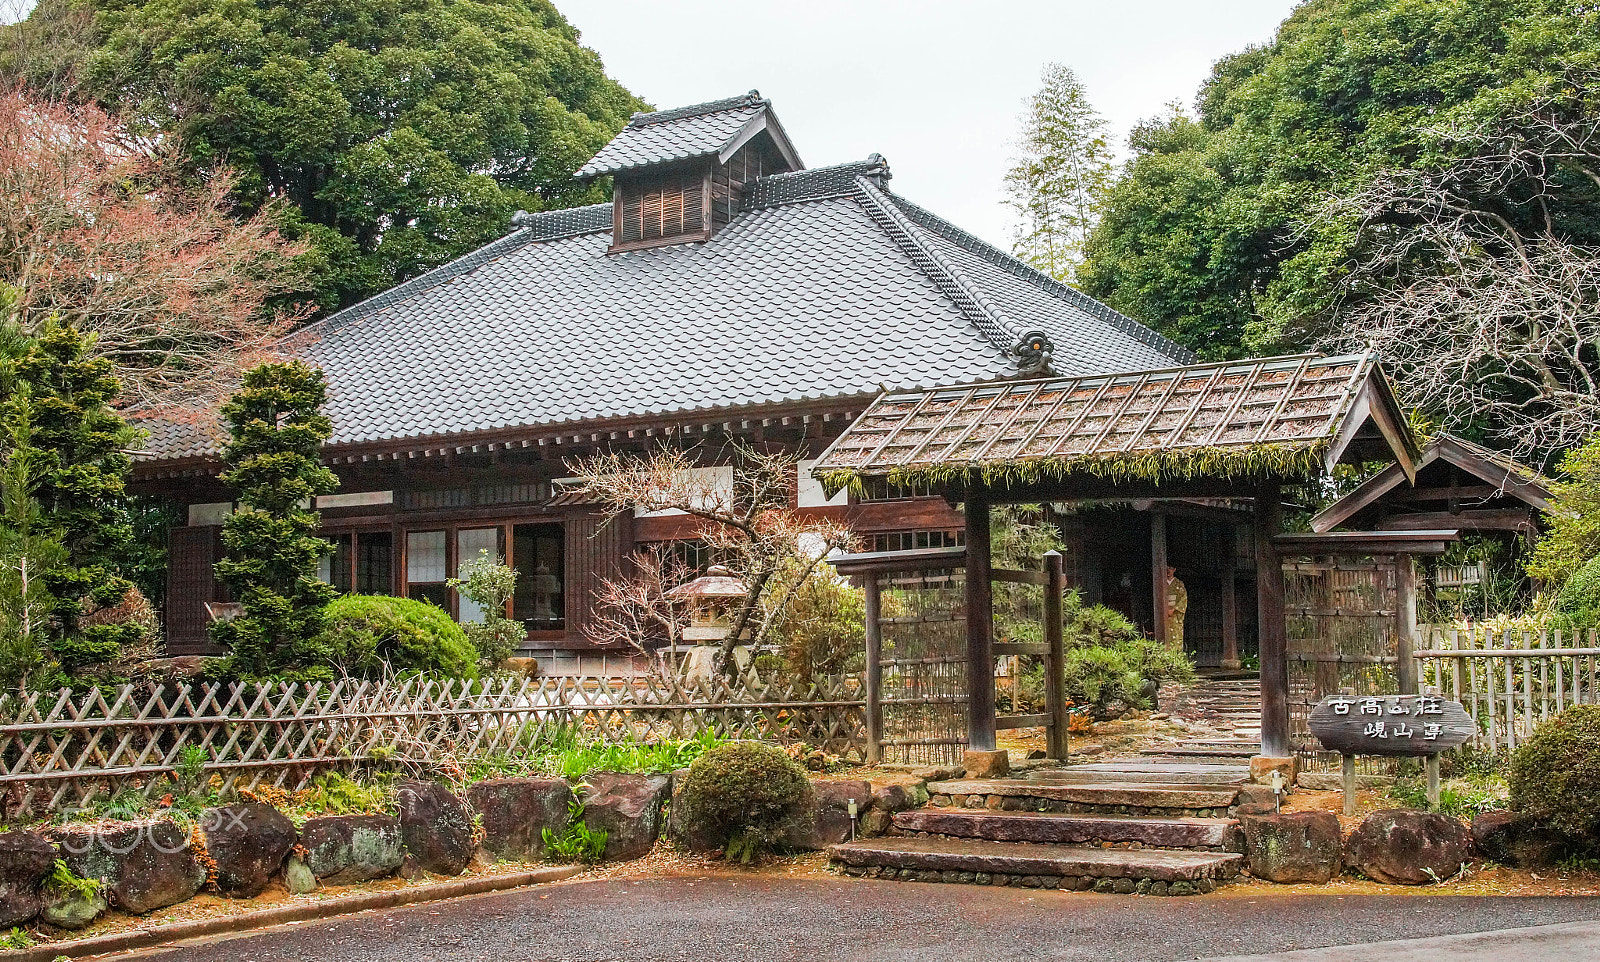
{"x": 872, "y": 593}
{"x": 1405, "y": 623}
{"x": 1272, "y": 634}
{"x": 1055, "y": 662}
{"x": 980, "y": 629}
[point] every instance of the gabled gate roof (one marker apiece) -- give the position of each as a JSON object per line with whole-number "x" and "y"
{"x": 1293, "y": 416}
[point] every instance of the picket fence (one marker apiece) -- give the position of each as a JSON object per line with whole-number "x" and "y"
{"x": 1511, "y": 680}
{"x": 60, "y": 751}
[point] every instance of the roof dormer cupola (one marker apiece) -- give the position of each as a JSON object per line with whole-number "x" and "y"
{"x": 679, "y": 175}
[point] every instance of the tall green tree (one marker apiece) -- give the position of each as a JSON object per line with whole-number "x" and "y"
{"x": 81, "y": 458}
{"x": 400, "y": 132}
{"x": 27, "y": 552}
{"x": 273, "y": 460}
{"x": 1058, "y": 180}
{"x": 1217, "y": 233}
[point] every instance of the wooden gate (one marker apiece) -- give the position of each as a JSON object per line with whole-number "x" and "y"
{"x": 1340, "y": 616}
{"x": 919, "y": 686}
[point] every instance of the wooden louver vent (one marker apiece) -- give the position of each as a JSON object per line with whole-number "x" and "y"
{"x": 660, "y": 208}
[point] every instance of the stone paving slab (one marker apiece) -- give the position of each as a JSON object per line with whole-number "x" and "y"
{"x": 1056, "y": 828}
{"x": 1102, "y": 793}
{"x": 1024, "y": 858}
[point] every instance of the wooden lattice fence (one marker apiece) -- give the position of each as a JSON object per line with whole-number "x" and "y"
{"x": 59, "y": 751}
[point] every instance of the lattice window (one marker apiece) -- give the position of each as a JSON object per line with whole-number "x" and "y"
{"x": 660, "y": 208}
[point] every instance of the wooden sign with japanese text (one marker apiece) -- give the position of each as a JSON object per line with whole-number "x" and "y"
{"x": 1390, "y": 724}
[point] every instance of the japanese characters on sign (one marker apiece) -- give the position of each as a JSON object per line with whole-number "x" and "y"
{"x": 1389, "y": 724}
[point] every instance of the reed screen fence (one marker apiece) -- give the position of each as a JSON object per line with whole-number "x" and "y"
{"x": 63, "y": 750}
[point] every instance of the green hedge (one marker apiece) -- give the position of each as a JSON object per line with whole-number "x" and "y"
{"x": 375, "y": 635}
{"x": 1579, "y": 598}
{"x": 1555, "y": 777}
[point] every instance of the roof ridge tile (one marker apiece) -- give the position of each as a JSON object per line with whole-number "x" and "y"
{"x": 1022, "y": 269}
{"x": 1003, "y": 332}
{"x": 752, "y": 98}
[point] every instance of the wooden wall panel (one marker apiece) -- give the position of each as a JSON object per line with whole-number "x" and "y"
{"x": 597, "y": 550}
{"x": 191, "y": 582}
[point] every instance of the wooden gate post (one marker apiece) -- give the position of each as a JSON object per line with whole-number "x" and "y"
{"x": 980, "y": 628}
{"x": 1272, "y": 638}
{"x": 873, "y": 603}
{"x": 1055, "y": 668}
{"x": 1405, "y": 623}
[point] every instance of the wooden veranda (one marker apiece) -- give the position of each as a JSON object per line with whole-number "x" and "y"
{"x": 1237, "y": 432}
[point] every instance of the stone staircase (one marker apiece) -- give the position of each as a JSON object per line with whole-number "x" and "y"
{"x": 1149, "y": 826}
{"x": 1229, "y": 707}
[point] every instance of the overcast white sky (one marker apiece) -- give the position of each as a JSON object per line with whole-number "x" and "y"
{"x": 936, "y": 86}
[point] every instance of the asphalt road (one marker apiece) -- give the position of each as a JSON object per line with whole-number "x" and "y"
{"x": 721, "y": 919}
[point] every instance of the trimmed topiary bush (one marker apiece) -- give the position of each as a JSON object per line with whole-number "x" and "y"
{"x": 747, "y": 794}
{"x": 373, "y": 635}
{"x": 1555, "y": 777}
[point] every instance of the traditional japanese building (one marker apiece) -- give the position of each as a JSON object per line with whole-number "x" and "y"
{"x": 728, "y": 293}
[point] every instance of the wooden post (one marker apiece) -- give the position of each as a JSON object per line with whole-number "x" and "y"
{"x": 1271, "y": 636}
{"x": 980, "y": 629}
{"x": 1055, "y": 697}
{"x": 1405, "y": 623}
{"x": 1349, "y": 784}
{"x": 1158, "y": 576}
{"x": 1230, "y": 608}
{"x": 1433, "y": 781}
{"x": 874, "y": 669}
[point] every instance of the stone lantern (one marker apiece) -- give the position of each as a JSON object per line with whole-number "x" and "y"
{"x": 711, "y": 598}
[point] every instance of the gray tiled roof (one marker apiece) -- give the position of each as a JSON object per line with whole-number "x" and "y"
{"x": 667, "y": 136}
{"x": 825, "y": 286}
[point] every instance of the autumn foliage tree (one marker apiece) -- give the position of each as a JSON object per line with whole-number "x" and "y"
{"x": 104, "y": 232}
{"x": 273, "y": 461}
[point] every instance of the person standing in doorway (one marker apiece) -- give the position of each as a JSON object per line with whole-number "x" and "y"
{"x": 1177, "y": 607}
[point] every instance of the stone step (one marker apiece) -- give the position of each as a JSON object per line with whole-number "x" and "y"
{"x": 1177, "y": 752}
{"x": 1034, "y": 865}
{"x": 1101, "y": 797}
{"x": 1144, "y": 771}
{"x": 1217, "y": 834}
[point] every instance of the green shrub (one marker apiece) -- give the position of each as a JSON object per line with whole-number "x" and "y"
{"x": 1110, "y": 665}
{"x": 749, "y": 793}
{"x": 1555, "y": 777}
{"x": 490, "y": 584}
{"x": 373, "y": 635}
{"x": 1579, "y": 598}
{"x": 824, "y": 626}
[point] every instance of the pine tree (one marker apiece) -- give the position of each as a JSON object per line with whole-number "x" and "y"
{"x": 1058, "y": 181}
{"x": 80, "y": 455}
{"x": 273, "y": 461}
{"x": 27, "y": 552}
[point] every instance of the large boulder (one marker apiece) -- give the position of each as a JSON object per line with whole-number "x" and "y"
{"x": 248, "y": 842}
{"x": 684, "y": 828}
{"x": 1293, "y": 847}
{"x": 516, "y": 811}
{"x": 1405, "y": 847}
{"x": 345, "y": 849}
{"x": 436, "y": 827}
{"x": 25, "y": 860}
{"x": 144, "y": 865}
{"x": 628, "y": 808}
{"x": 829, "y": 822}
{"x": 1501, "y": 836}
